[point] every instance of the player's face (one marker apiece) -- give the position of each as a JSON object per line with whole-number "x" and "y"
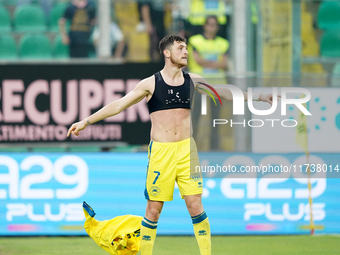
{"x": 179, "y": 54}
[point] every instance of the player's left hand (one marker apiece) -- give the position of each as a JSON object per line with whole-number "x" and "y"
{"x": 268, "y": 98}
{"x": 77, "y": 127}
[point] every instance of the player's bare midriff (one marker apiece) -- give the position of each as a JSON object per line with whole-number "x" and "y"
{"x": 170, "y": 125}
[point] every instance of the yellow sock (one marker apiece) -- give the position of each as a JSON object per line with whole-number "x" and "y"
{"x": 202, "y": 233}
{"x": 148, "y": 233}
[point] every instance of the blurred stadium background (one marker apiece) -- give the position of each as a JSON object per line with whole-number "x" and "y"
{"x": 45, "y": 176}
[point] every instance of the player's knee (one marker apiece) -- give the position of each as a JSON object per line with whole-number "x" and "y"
{"x": 153, "y": 213}
{"x": 195, "y": 208}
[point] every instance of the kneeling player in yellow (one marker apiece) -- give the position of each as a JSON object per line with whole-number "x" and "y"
{"x": 118, "y": 236}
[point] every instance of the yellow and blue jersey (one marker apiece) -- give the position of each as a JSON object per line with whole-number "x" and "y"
{"x": 118, "y": 236}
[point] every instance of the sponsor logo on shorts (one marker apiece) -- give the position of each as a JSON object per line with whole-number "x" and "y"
{"x": 146, "y": 238}
{"x": 195, "y": 177}
{"x": 200, "y": 184}
{"x": 202, "y": 233}
{"x": 155, "y": 191}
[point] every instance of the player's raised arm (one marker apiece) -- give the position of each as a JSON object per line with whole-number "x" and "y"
{"x": 140, "y": 91}
{"x": 199, "y": 80}
{"x": 225, "y": 93}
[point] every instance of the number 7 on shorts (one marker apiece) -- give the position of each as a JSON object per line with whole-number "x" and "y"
{"x": 158, "y": 173}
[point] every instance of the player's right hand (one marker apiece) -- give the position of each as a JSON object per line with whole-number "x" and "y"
{"x": 76, "y": 127}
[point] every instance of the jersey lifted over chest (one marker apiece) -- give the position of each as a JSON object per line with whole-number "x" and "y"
{"x": 167, "y": 97}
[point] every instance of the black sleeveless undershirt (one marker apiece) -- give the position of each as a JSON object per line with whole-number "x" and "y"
{"x": 167, "y": 97}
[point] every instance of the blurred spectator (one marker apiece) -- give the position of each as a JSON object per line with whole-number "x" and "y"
{"x": 81, "y": 15}
{"x": 117, "y": 40}
{"x": 152, "y": 14}
{"x": 208, "y": 58}
{"x": 208, "y": 51}
{"x": 180, "y": 13}
{"x": 200, "y": 9}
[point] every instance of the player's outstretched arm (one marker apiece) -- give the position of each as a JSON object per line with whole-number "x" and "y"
{"x": 140, "y": 91}
{"x": 226, "y": 94}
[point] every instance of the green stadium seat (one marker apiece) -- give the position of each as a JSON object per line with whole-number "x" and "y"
{"x": 29, "y": 17}
{"x": 92, "y": 54}
{"x": 60, "y": 50}
{"x": 8, "y": 47}
{"x": 335, "y": 81}
{"x": 329, "y": 15}
{"x": 5, "y": 20}
{"x": 13, "y": 149}
{"x": 85, "y": 149}
{"x": 330, "y": 44}
{"x": 10, "y": 2}
{"x": 35, "y": 46}
{"x": 57, "y": 12}
{"x": 49, "y": 149}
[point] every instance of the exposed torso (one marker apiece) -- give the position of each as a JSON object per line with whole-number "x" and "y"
{"x": 170, "y": 125}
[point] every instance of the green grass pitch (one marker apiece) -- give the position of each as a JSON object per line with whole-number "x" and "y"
{"x": 178, "y": 245}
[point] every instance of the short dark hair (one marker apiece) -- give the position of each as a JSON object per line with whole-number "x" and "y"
{"x": 211, "y": 17}
{"x": 168, "y": 41}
